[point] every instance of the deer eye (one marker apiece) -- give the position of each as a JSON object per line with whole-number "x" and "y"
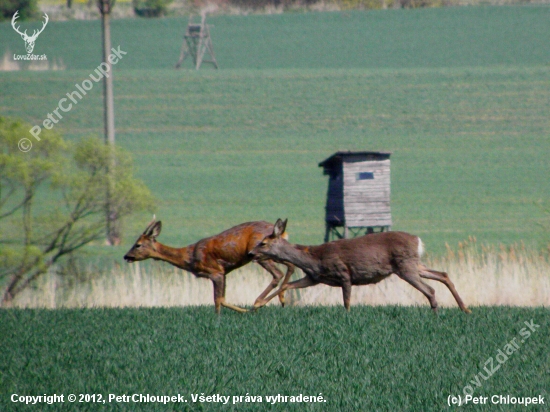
{"x": 137, "y": 246}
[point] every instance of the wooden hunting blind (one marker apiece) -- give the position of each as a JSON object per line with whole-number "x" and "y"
{"x": 358, "y": 196}
{"x": 196, "y": 43}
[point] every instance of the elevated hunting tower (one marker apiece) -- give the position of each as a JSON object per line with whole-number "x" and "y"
{"x": 358, "y": 196}
{"x": 196, "y": 43}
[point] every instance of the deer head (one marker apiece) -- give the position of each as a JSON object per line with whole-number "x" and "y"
{"x": 145, "y": 246}
{"x": 272, "y": 244}
{"x": 29, "y": 40}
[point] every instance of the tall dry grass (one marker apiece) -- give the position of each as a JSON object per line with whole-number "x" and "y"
{"x": 512, "y": 276}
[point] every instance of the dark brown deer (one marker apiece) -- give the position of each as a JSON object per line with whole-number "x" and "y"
{"x": 360, "y": 261}
{"x": 213, "y": 257}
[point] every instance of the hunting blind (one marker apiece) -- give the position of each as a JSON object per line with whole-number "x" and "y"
{"x": 358, "y": 196}
{"x": 196, "y": 43}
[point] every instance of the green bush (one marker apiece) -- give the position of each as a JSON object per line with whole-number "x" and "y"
{"x": 150, "y": 8}
{"x": 27, "y": 9}
{"x": 261, "y": 4}
{"x": 377, "y": 4}
{"x": 411, "y": 4}
{"x": 343, "y": 4}
{"x": 360, "y": 4}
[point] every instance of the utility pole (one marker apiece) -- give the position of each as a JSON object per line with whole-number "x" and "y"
{"x": 113, "y": 223}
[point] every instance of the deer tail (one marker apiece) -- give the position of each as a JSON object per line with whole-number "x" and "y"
{"x": 420, "y": 247}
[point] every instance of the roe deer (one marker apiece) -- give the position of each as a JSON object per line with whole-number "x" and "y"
{"x": 213, "y": 257}
{"x": 360, "y": 261}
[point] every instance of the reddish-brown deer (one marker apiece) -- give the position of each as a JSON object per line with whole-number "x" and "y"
{"x": 360, "y": 261}
{"x": 213, "y": 257}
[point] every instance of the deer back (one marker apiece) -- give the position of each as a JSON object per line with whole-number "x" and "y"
{"x": 373, "y": 250}
{"x": 231, "y": 247}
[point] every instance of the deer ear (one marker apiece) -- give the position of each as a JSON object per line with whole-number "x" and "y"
{"x": 155, "y": 230}
{"x": 279, "y": 227}
{"x": 147, "y": 231}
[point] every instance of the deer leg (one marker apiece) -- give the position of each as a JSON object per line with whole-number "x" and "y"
{"x": 219, "y": 295}
{"x": 346, "y": 292}
{"x": 289, "y": 273}
{"x": 305, "y": 282}
{"x": 444, "y": 278}
{"x": 218, "y": 284}
{"x": 269, "y": 265}
{"x": 413, "y": 278}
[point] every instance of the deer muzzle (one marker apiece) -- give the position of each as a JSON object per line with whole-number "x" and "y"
{"x": 252, "y": 254}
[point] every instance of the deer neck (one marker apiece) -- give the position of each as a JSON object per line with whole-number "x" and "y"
{"x": 300, "y": 256}
{"x": 180, "y": 257}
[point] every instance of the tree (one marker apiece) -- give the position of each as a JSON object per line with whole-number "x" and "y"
{"x": 151, "y": 8}
{"x": 27, "y": 9}
{"x": 53, "y": 201}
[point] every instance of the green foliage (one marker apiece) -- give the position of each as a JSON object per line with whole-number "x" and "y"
{"x": 21, "y": 175}
{"x": 29, "y": 169}
{"x": 370, "y": 359}
{"x": 151, "y": 8}
{"x": 262, "y": 4}
{"x": 27, "y": 9}
{"x": 75, "y": 178}
{"x": 411, "y": 4}
{"x": 92, "y": 158}
{"x": 361, "y": 4}
{"x": 341, "y": 4}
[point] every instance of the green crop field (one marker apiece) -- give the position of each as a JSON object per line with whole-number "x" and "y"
{"x": 470, "y": 147}
{"x": 437, "y": 37}
{"x": 371, "y": 359}
{"x": 459, "y": 95}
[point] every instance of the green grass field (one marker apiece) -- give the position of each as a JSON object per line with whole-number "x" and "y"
{"x": 385, "y": 358}
{"x": 461, "y": 96}
{"x": 436, "y": 37}
{"x": 470, "y": 146}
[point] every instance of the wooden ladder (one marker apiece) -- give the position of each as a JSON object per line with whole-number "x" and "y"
{"x": 196, "y": 43}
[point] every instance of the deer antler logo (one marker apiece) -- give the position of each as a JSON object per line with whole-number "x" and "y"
{"x": 29, "y": 40}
